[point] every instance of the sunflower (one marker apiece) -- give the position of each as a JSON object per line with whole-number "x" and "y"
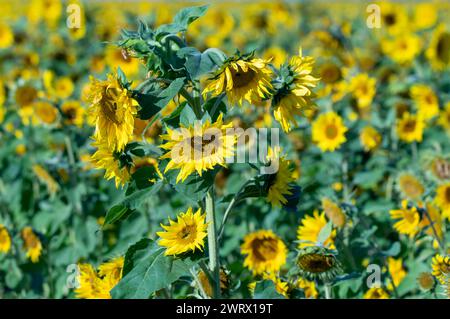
{"x": 363, "y": 89}
{"x": 206, "y": 285}
{"x": 376, "y": 293}
{"x": 410, "y": 128}
{"x": 90, "y": 285}
{"x": 110, "y": 161}
{"x": 242, "y": 78}
{"x": 6, "y": 36}
{"x": 396, "y": 270}
{"x": 370, "y": 138}
{"x": 442, "y": 199}
{"x": 425, "y": 15}
{"x": 32, "y": 244}
{"x": 295, "y": 96}
{"x": 198, "y": 148}
{"x": 44, "y": 177}
{"x": 308, "y": 287}
{"x": 265, "y": 252}
{"x": 279, "y": 182}
{"x": 403, "y": 49}
{"x": 187, "y": 233}
{"x": 282, "y": 287}
{"x": 444, "y": 117}
{"x": 73, "y": 113}
{"x": 426, "y": 281}
{"x": 328, "y": 131}
{"x": 330, "y": 73}
{"x": 309, "y": 230}
{"x": 116, "y": 57}
{"x": 62, "y": 87}
{"x": 276, "y": 55}
{"x": 316, "y": 262}
{"x": 111, "y": 271}
{"x": 113, "y": 111}
{"x": 432, "y": 223}
{"x": 393, "y": 17}
{"x": 333, "y": 212}
{"x": 45, "y": 112}
{"x": 440, "y": 266}
{"x": 438, "y": 51}
{"x": 5, "y": 240}
{"x": 410, "y": 186}
{"x": 409, "y": 219}
{"x": 426, "y": 101}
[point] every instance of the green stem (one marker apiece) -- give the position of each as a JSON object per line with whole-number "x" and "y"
{"x": 328, "y": 291}
{"x": 212, "y": 243}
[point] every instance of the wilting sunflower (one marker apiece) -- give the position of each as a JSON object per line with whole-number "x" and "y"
{"x": 363, "y": 89}
{"x": 206, "y": 285}
{"x": 409, "y": 219}
{"x": 295, "y": 96}
{"x": 73, "y": 113}
{"x": 439, "y": 50}
{"x": 198, "y": 148}
{"x": 442, "y": 199}
{"x": 316, "y": 262}
{"x": 5, "y": 240}
{"x": 396, "y": 270}
{"x": 333, "y": 212}
{"x": 410, "y": 186}
{"x": 328, "y": 131}
{"x": 242, "y": 78}
{"x": 410, "y": 128}
{"x": 426, "y": 101}
{"x": 110, "y": 161}
{"x": 440, "y": 266}
{"x": 376, "y": 293}
{"x": 186, "y": 234}
{"x": 308, "y": 287}
{"x": 370, "y": 138}
{"x": 32, "y": 244}
{"x": 113, "y": 111}
{"x": 309, "y": 230}
{"x": 265, "y": 252}
{"x": 444, "y": 117}
{"x": 403, "y": 49}
{"x": 279, "y": 182}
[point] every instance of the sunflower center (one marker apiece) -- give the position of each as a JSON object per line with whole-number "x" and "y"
{"x": 447, "y": 194}
{"x": 410, "y": 126}
{"x": 443, "y": 48}
{"x": 71, "y": 114}
{"x": 187, "y": 232}
{"x": 316, "y": 263}
{"x": 242, "y": 78}
{"x": 390, "y": 19}
{"x": 109, "y": 105}
{"x": 331, "y": 131}
{"x": 265, "y": 249}
{"x": 410, "y": 216}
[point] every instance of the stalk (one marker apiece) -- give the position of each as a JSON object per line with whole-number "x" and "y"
{"x": 327, "y": 291}
{"x": 212, "y": 243}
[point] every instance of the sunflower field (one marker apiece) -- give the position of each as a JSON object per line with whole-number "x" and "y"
{"x": 261, "y": 149}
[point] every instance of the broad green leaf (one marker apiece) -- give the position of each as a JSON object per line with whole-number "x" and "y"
{"x": 266, "y": 290}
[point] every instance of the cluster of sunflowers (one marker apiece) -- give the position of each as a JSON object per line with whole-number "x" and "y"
{"x": 158, "y": 97}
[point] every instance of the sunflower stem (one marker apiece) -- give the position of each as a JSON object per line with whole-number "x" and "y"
{"x": 328, "y": 291}
{"x": 212, "y": 243}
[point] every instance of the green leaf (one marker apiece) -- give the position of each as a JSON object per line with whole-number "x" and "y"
{"x": 325, "y": 232}
{"x": 214, "y": 107}
{"x": 182, "y": 19}
{"x": 147, "y": 270}
{"x": 187, "y": 116}
{"x": 198, "y": 64}
{"x": 116, "y": 213}
{"x": 393, "y": 251}
{"x": 266, "y": 290}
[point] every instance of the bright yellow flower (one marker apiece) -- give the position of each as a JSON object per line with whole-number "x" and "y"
{"x": 111, "y": 271}
{"x": 425, "y": 15}
{"x": 73, "y": 113}
{"x": 394, "y": 17}
{"x": 118, "y": 58}
{"x": 410, "y": 186}
{"x": 62, "y": 87}
{"x": 442, "y": 199}
{"x": 396, "y": 270}
{"x": 363, "y": 89}
{"x": 186, "y": 234}
{"x": 6, "y": 36}
{"x": 5, "y": 240}
{"x": 32, "y": 244}
{"x": 438, "y": 51}
{"x": 279, "y": 186}
{"x": 444, "y": 117}
{"x": 309, "y": 230}
{"x": 403, "y": 49}
{"x": 198, "y": 148}
{"x": 44, "y": 177}
{"x": 376, "y": 293}
{"x": 410, "y": 128}
{"x": 434, "y": 224}
{"x": 370, "y": 138}
{"x": 276, "y": 55}
{"x": 242, "y": 79}
{"x": 328, "y": 131}
{"x": 113, "y": 111}
{"x": 308, "y": 287}
{"x": 440, "y": 267}
{"x": 426, "y": 101}
{"x": 45, "y": 112}
{"x": 409, "y": 219}
{"x": 265, "y": 252}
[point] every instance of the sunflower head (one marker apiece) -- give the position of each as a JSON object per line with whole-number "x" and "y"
{"x": 408, "y": 219}
{"x": 376, "y": 293}
{"x": 410, "y": 128}
{"x": 5, "y": 240}
{"x": 442, "y": 198}
{"x": 426, "y": 281}
{"x": 370, "y": 138}
{"x": 328, "y": 131}
{"x": 309, "y": 231}
{"x": 32, "y": 244}
{"x": 440, "y": 266}
{"x": 265, "y": 252}
{"x": 410, "y": 186}
{"x": 185, "y": 234}
{"x": 315, "y": 262}
{"x": 206, "y": 285}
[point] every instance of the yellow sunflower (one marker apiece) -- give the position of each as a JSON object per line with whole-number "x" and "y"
{"x": 31, "y": 244}
{"x": 425, "y": 15}
{"x": 5, "y": 240}
{"x": 276, "y": 55}
{"x": 45, "y": 177}
{"x": 363, "y": 89}
{"x": 442, "y": 199}
{"x": 90, "y": 285}
{"x": 206, "y": 285}
{"x": 403, "y": 49}
{"x": 426, "y": 281}
{"x": 444, "y": 117}
{"x": 45, "y": 112}
{"x": 186, "y": 234}
{"x": 434, "y": 224}
{"x": 410, "y": 186}
{"x": 73, "y": 113}
{"x": 394, "y": 17}
{"x": 198, "y": 148}
{"x": 111, "y": 271}
{"x": 308, "y": 287}
{"x": 113, "y": 111}
{"x": 116, "y": 57}
{"x": 296, "y": 96}
{"x": 265, "y": 252}
{"x": 410, "y": 128}
{"x": 440, "y": 266}
{"x": 396, "y": 270}
{"x": 242, "y": 78}
{"x": 328, "y": 131}
{"x": 6, "y": 36}
{"x": 370, "y": 138}
{"x": 279, "y": 186}
{"x": 438, "y": 51}
{"x": 105, "y": 158}
{"x": 409, "y": 219}
{"x": 310, "y": 228}
{"x": 426, "y": 101}
{"x": 376, "y": 293}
